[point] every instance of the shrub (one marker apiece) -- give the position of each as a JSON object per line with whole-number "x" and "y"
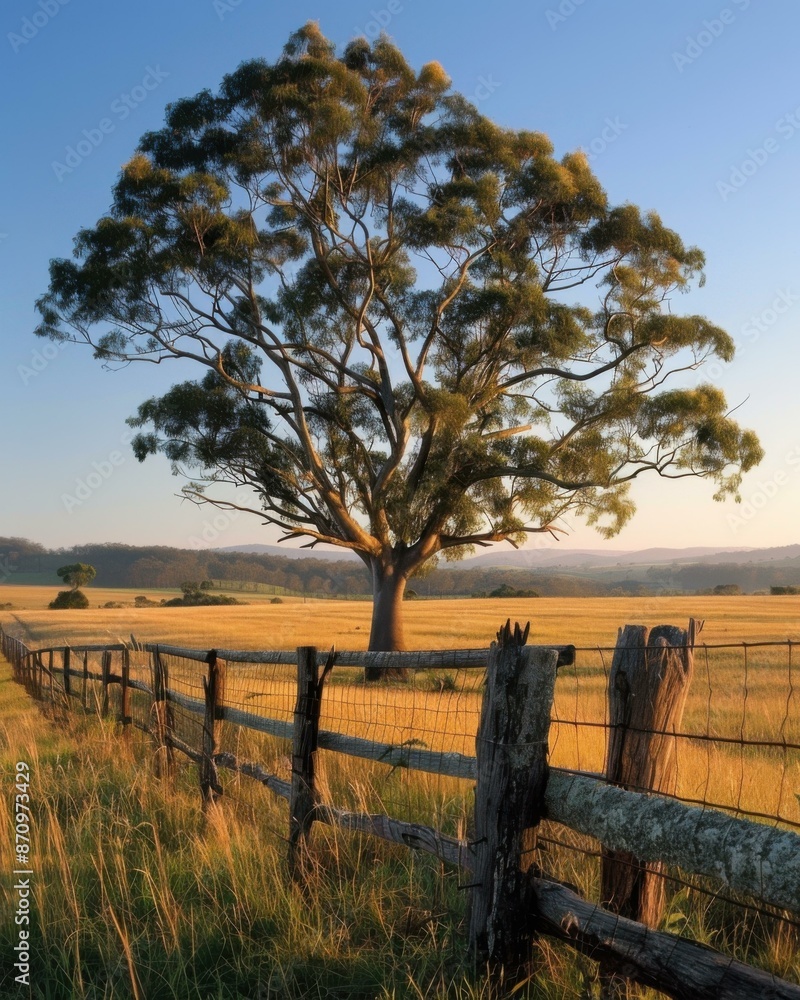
{"x": 505, "y": 590}
{"x": 144, "y": 602}
{"x": 69, "y": 599}
{"x": 197, "y": 599}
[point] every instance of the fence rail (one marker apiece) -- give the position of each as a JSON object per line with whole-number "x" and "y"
{"x": 636, "y": 817}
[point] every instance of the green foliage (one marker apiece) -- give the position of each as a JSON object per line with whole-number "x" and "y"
{"x": 77, "y": 574}
{"x": 505, "y": 590}
{"x": 69, "y": 600}
{"x": 194, "y": 597}
{"x": 380, "y": 283}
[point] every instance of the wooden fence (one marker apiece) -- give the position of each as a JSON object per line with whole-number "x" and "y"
{"x": 515, "y": 789}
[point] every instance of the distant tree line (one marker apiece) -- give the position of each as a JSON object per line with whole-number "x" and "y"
{"x": 747, "y": 577}
{"x": 164, "y": 567}
{"x": 148, "y": 567}
{"x": 155, "y": 567}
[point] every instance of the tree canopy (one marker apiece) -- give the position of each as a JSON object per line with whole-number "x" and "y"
{"x": 77, "y": 575}
{"x": 420, "y": 331}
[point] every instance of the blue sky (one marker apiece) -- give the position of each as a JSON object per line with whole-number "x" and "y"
{"x": 688, "y": 108}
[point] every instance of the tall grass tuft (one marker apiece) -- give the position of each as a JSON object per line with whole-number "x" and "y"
{"x": 139, "y": 894}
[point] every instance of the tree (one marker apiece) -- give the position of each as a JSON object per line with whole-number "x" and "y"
{"x": 421, "y": 332}
{"x": 77, "y": 575}
{"x": 69, "y": 600}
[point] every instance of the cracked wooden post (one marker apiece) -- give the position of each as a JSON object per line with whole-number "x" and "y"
{"x": 647, "y": 688}
{"x": 214, "y": 690}
{"x": 162, "y": 717}
{"x": 105, "y": 671}
{"x": 304, "y": 748}
{"x": 125, "y": 694}
{"x": 85, "y": 682}
{"x": 66, "y": 682}
{"x": 511, "y": 752}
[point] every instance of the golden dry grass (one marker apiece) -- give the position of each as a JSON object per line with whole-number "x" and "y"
{"x": 747, "y": 693}
{"x": 736, "y": 692}
{"x": 435, "y": 624}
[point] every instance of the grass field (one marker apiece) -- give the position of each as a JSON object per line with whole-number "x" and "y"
{"x": 370, "y": 896}
{"x": 429, "y": 624}
{"x": 736, "y": 692}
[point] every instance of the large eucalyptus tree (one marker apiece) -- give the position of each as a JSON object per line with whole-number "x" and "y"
{"x": 420, "y": 331}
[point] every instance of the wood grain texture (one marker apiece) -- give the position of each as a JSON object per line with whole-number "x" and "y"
{"x": 214, "y": 691}
{"x": 753, "y": 858}
{"x": 675, "y": 966}
{"x": 647, "y": 688}
{"x": 511, "y": 752}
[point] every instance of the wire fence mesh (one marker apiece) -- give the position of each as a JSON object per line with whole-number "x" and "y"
{"x": 737, "y": 749}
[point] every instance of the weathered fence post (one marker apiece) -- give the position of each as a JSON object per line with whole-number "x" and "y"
{"x": 125, "y": 694}
{"x": 105, "y": 671}
{"x": 214, "y": 688}
{"x": 647, "y": 688}
{"x": 66, "y": 670}
{"x": 511, "y": 752}
{"x": 50, "y": 674}
{"x": 162, "y": 717}
{"x": 304, "y": 747}
{"x": 85, "y": 682}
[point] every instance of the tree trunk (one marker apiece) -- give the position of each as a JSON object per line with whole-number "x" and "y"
{"x": 388, "y": 588}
